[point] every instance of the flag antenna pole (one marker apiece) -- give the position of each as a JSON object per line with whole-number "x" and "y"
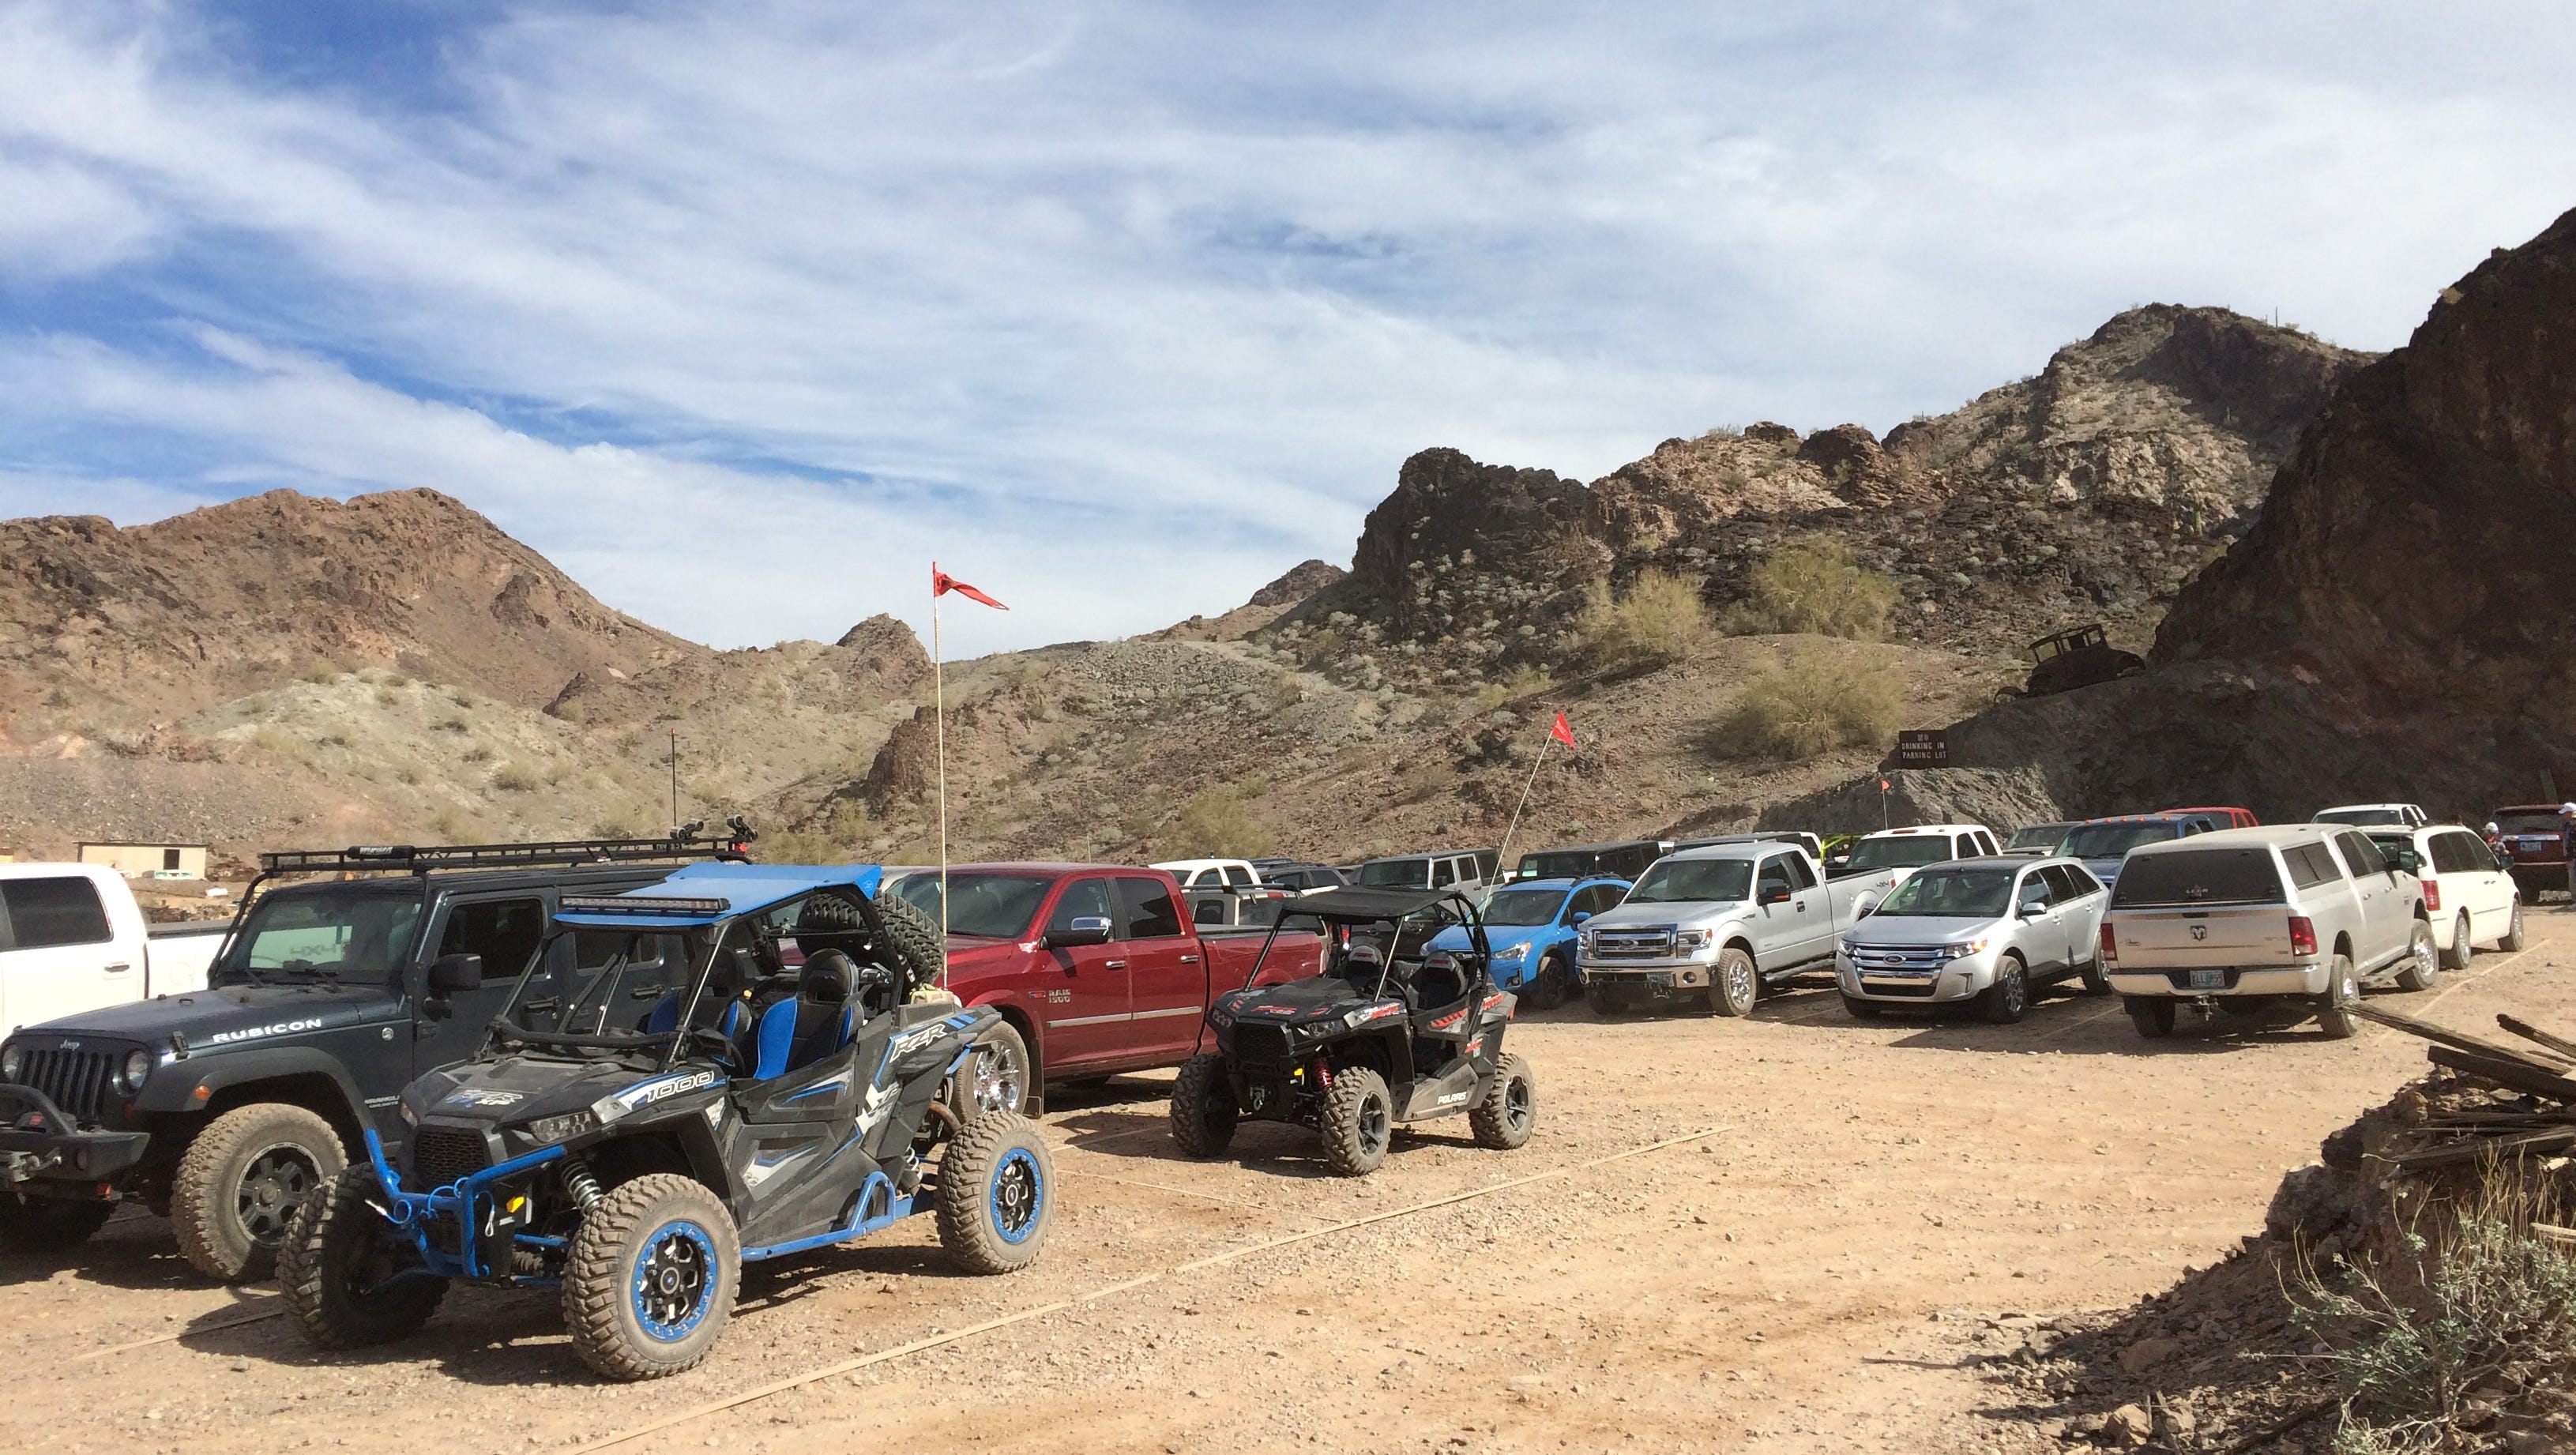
{"x": 939, "y": 713}
{"x": 1502, "y": 856}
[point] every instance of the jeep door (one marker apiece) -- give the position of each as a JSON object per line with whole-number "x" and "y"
{"x": 1167, "y": 978}
{"x": 1083, "y": 988}
{"x": 505, "y": 931}
{"x": 58, "y": 953}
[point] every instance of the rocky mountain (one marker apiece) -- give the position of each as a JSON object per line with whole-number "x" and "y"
{"x": 2394, "y": 625}
{"x": 2092, "y": 490}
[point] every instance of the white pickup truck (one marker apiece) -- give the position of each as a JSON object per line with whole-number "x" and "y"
{"x": 1713, "y": 925}
{"x": 72, "y": 939}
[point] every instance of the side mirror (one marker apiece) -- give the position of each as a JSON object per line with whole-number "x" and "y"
{"x": 1773, "y": 894}
{"x": 451, "y": 973}
{"x": 1582, "y": 917}
{"x": 2033, "y": 908}
{"x": 1089, "y": 929}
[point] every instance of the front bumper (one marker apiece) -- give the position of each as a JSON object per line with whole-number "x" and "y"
{"x": 1951, "y": 981}
{"x": 39, "y": 1143}
{"x": 2230, "y": 981}
{"x": 1654, "y": 976}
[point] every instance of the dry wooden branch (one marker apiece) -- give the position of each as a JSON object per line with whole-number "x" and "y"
{"x": 2530, "y": 1032}
{"x": 2548, "y": 1061}
{"x": 2513, "y": 1072}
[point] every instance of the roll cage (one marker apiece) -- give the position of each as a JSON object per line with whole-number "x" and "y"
{"x": 1345, "y": 909}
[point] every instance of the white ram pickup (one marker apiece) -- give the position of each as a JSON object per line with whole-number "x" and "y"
{"x": 72, "y": 939}
{"x": 1714, "y": 925}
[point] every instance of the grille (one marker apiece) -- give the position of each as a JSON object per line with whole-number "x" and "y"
{"x": 80, "y": 1082}
{"x": 1921, "y": 989}
{"x": 1898, "y": 957}
{"x": 1261, "y": 1049}
{"x": 1654, "y": 944}
{"x": 441, "y": 1155}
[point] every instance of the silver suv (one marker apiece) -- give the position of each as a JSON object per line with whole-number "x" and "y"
{"x": 2245, "y": 920}
{"x": 1985, "y": 930}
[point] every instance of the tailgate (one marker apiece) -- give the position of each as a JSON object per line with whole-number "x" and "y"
{"x": 2184, "y": 937}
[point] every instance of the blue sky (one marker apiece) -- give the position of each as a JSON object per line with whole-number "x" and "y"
{"x": 744, "y": 312}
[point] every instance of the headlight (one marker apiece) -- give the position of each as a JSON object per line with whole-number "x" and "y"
{"x": 405, "y": 1112}
{"x": 1845, "y": 945}
{"x": 13, "y": 1059}
{"x": 546, "y": 1131}
{"x": 1964, "y": 948}
{"x": 138, "y": 1064}
{"x": 1512, "y": 952}
{"x": 1692, "y": 939}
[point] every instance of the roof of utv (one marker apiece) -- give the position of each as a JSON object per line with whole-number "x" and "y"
{"x": 701, "y": 894}
{"x": 1368, "y": 906}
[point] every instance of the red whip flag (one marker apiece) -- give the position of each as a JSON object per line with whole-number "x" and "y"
{"x": 1562, "y": 732}
{"x": 941, "y": 583}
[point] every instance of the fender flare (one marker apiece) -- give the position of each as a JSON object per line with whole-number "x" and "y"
{"x": 173, "y": 1087}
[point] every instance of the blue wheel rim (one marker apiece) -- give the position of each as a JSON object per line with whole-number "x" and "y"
{"x": 674, "y": 1281}
{"x": 1017, "y": 1195}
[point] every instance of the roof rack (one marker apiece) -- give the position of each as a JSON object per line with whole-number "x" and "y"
{"x": 689, "y": 841}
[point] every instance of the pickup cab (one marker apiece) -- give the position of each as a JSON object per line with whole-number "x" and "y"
{"x": 2248, "y": 920}
{"x": 1095, "y": 968}
{"x": 73, "y": 940}
{"x": 1715, "y": 925}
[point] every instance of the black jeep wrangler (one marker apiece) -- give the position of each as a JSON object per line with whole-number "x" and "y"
{"x": 324, "y": 1002}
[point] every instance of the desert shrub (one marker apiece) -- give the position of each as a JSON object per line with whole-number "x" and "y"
{"x": 388, "y": 697}
{"x": 333, "y": 740}
{"x": 575, "y": 711}
{"x": 513, "y": 777}
{"x": 407, "y": 774}
{"x": 1659, "y": 621}
{"x": 461, "y": 697}
{"x": 1324, "y": 649}
{"x": 1815, "y": 586}
{"x": 1218, "y": 823}
{"x": 478, "y": 754}
{"x": 320, "y": 673}
{"x": 2469, "y": 1296}
{"x": 1813, "y": 703}
{"x": 448, "y": 725}
{"x": 255, "y": 705}
{"x": 283, "y": 745}
{"x": 1286, "y": 692}
{"x": 1428, "y": 780}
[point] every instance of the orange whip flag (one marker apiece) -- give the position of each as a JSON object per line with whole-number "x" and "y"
{"x": 1562, "y": 732}
{"x": 941, "y": 583}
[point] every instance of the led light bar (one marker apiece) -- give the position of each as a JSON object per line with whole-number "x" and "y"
{"x": 644, "y": 905}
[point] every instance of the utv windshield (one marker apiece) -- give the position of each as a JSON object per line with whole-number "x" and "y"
{"x": 361, "y": 935}
{"x": 2113, "y": 840}
{"x": 1909, "y": 852}
{"x": 1950, "y": 894}
{"x": 623, "y": 981}
{"x": 1396, "y": 874}
{"x": 1695, "y": 881}
{"x": 995, "y": 906}
{"x": 1524, "y": 906}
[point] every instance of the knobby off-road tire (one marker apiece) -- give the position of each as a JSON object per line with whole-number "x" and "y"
{"x": 1733, "y": 984}
{"x": 2006, "y": 1001}
{"x": 49, "y": 1225}
{"x": 2512, "y": 938}
{"x": 917, "y": 941}
{"x": 2457, "y": 957}
{"x": 1510, "y": 1108}
{"x": 998, "y": 1077}
{"x": 337, "y": 1268}
{"x": 1862, "y": 1010}
{"x": 1203, "y": 1109}
{"x": 2153, "y": 1015}
{"x": 2423, "y": 963}
{"x": 1358, "y": 1122}
{"x": 996, "y": 1195}
{"x": 242, "y": 1178}
{"x": 2334, "y": 1016}
{"x": 650, "y": 1278}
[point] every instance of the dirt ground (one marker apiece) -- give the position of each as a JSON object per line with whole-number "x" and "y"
{"x": 1839, "y": 1218}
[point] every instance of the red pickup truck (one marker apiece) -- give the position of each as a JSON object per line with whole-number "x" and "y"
{"x": 1096, "y": 967}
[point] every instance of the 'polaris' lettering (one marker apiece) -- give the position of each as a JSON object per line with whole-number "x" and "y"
{"x": 253, "y": 1033}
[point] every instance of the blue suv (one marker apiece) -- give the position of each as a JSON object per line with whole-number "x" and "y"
{"x": 1531, "y": 925}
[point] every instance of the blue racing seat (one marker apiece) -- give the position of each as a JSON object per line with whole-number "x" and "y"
{"x": 794, "y": 1034}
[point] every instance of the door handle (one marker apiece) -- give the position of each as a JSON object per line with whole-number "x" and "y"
{"x": 1189, "y": 959}
{"x": 120, "y": 967}
{"x": 1799, "y": 905}
{"x": 1113, "y": 964}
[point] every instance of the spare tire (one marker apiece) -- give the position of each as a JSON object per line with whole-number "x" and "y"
{"x": 919, "y": 947}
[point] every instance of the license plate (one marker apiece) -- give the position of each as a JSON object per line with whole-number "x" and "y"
{"x": 2209, "y": 980}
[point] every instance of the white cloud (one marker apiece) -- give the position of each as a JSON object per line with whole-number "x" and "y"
{"x": 1149, "y": 302}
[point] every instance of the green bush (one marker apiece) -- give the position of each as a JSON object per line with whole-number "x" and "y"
{"x": 1815, "y": 586}
{"x": 1661, "y": 620}
{"x": 1218, "y": 824}
{"x": 1813, "y": 703}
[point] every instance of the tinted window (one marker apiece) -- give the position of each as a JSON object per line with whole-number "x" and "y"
{"x": 1968, "y": 846}
{"x": 1800, "y": 877}
{"x": 2039, "y": 836}
{"x": 1556, "y": 864}
{"x": 2062, "y": 887}
{"x": 996, "y": 906}
{"x": 2458, "y": 853}
{"x": 1089, "y": 899}
{"x": 1702, "y": 881}
{"x": 1396, "y": 874}
{"x": 2361, "y": 815}
{"x": 504, "y": 932}
{"x": 47, "y": 912}
{"x": 1150, "y": 913}
{"x": 359, "y": 937}
{"x": 1444, "y": 872}
{"x": 2034, "y": 889}
{"x": 1208, "y": 909}
{"x": 2360, "y": 855}
{"x": 2529, "y": 823}
{"x": 1903, "y": 853}
{"x": 2113, "y": 840}
{"x": 1237, "y": 874}
{"x": 1524, "y": 906}
{"x": 1950, "y": 894}
{"x": 1774, "y": 875}
{"x": 2310, "y": 865}
{"x": 2200, "y": 876}
{"x": 2481, "y": 858}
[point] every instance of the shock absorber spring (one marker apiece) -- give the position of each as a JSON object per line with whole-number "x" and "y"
{"x": 583, "y": 1187}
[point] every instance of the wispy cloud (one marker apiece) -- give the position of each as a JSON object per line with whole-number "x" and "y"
{"x": 1140, "y": 304}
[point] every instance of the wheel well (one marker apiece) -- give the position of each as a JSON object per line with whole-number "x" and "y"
{"x": 1373, "y": 1052}
{"x": 1741, "y": 943}
{"x": 2343, "y": 946}
{"x": 311, "y": 1090}
{"x": 1018, "y": 1020}
{"x": 623, "y": 1159}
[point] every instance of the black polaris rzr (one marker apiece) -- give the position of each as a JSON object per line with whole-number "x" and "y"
{"x": 1383, "y": 1036}
{"x": 681, "y": 1103}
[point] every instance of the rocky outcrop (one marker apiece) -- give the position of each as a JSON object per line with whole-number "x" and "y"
{"x": 1297, "y": 583}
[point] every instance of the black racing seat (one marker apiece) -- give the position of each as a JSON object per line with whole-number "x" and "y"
{"x": 793, "y": 1034}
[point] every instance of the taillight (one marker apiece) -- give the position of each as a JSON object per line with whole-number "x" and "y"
{"x": 2110, "y": 947}
{"x": 2303, "y": 935}
{"x": 2432, "y": 894}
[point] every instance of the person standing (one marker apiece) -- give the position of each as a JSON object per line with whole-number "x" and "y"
{"x": 2567, "y": 841}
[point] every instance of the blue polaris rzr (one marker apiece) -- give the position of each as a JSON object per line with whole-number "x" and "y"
{"x": 736, "y": 1067}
